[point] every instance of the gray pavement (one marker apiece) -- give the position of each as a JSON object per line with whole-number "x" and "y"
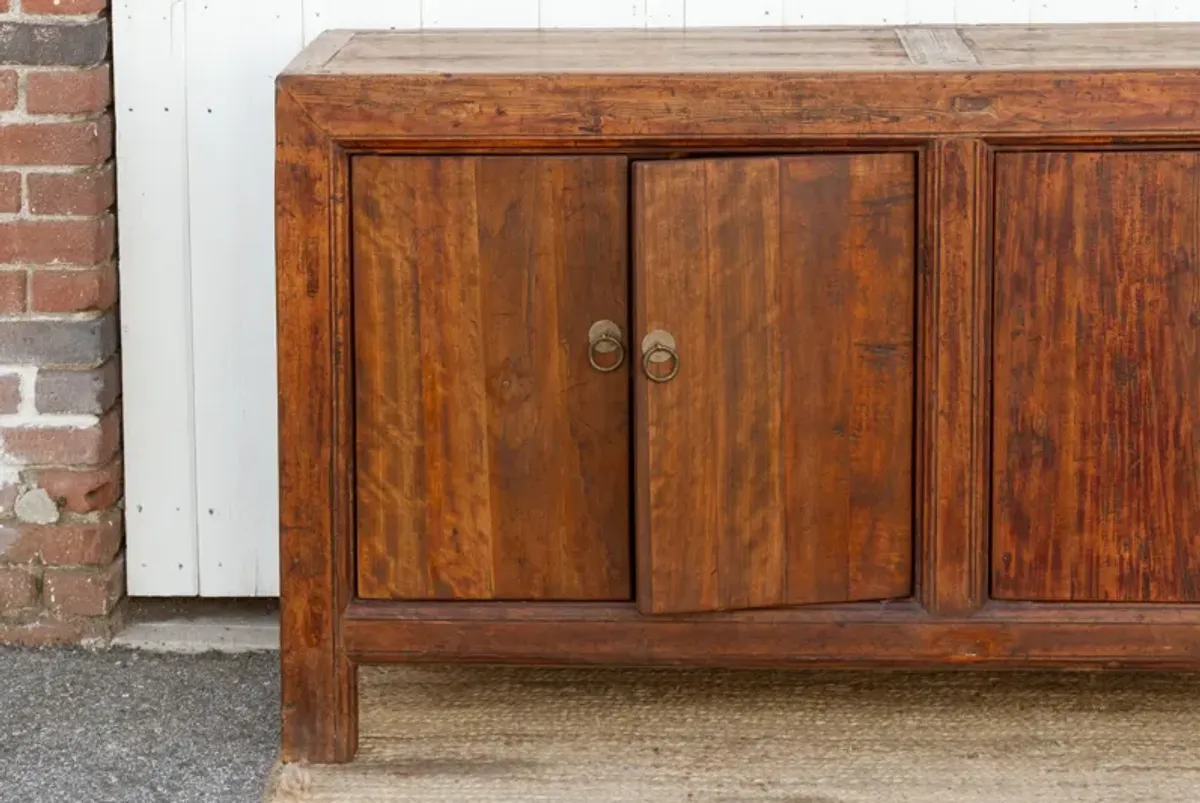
{"x": 120, "y": 725}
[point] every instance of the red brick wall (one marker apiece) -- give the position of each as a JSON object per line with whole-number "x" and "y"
{"x": 61, "y": 566}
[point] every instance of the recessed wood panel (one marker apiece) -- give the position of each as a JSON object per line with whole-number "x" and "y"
{"x": 776, "y": 467}
{"x": 1096, "y": 467}
{"x": 492, "y": 461}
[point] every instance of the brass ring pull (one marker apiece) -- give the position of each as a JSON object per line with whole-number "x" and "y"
{"x": 614, "y": 344}
{"x": 605, "y": 338}
{"x": 659, "y": 347}
{"x": 672, "y": 355}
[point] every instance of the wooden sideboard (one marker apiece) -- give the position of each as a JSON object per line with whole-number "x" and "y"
{"x": 874, "y": 347}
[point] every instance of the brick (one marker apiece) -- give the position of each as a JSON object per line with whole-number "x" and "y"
{"x": 93, "y": 391}
{"x": 12, "y": 291}
{"x": 75, "y": 242}
{"x": 10, "y": 193}
{"x": 63, "y": 446}
{"x": 73, "y": 290}
{"x": 18, "y": 588}
{"x": 83, "y": 543}
{"x": 69, "y": 91}
{"x": 94, "y": 543}
{"x": 3, "y": 6}
{"x": 84, "y": 143}
{"x": 84, "y": 592}
{"x": 81, "y": 490}
{"x": 10, "y": 393}
{"x": 85, "y": 193}
{"x": 63, "y": 6}
{"x": 15, "y": 545}
{"x": 54, "y": 44}
{"x": 8, "y": 90}
{"x": 44, "y": 630}
{"x": 88, "y": 341}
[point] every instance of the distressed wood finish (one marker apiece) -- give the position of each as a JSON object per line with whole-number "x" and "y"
{"x": 1097, "y": 377}
{"x": 937, "y": 47}
{"x": 493, "y": 461}
{"x": 899, "y": 635}
{"x": 318, "y": 679}
{"x": 777, "y": 465}
{"x": 801, "y": 82}
{"x": 935, "y": 295}
{"x": 987, "y": 48}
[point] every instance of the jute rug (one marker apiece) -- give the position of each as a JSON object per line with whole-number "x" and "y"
{"x": 489, "y": 734}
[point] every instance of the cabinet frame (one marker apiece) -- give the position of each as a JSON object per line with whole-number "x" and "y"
{"x": 954, "y": 122}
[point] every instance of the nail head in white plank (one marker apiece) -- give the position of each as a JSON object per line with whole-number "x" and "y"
{"x": 1059, "y": 11}
{"x": 936, "y": 47}
{"x": 719, "y": 13}
{"x": 992, "y": 11}
{"x": 593, "y": 14}
{"x": 162, "y": 557}
{"x": 928, "y": 12}
{"x": 327, "y": 15}
{"x": 664, "y": 13}
{"x": 479, "y": 14}
{"x": 843, "y": 12}
{"x": 1177, "y": 11}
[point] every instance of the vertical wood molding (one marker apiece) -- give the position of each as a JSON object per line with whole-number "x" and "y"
{"x": 318, "y": 680}
{"x": 954, "y": 434}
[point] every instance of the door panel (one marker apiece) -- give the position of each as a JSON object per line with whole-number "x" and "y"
{"x": 1096, "y": 470}
{"x": 776, "y": 467}
{"x": 492, "y": 460}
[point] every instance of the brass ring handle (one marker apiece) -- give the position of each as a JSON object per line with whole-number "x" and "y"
{"x": 614, "y": 344}
{"x": 672, "y": 355}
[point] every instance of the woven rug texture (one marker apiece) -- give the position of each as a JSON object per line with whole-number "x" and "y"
{"x": 495, "y": 735}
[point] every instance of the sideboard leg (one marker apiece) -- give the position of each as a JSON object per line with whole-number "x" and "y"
{"x": 320, "y": 712}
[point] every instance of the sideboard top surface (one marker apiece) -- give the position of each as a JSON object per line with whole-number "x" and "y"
{"x": 1123, "y": 47}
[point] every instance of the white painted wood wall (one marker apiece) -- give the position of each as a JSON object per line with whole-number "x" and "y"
{"x": 194, "y": 94}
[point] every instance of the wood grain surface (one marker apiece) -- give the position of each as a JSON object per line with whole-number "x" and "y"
{"x": 776, "y": 468}
{"x": 1097, "y": 377}
{"x": 733, "y": 50}
{"x": 954, "y": 428}
{"x": 935, "y": 297}
{"x": 493, "y": 461}
{"x": 319, "y": 691}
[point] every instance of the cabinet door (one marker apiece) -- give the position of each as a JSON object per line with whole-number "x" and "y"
{"x": 775, "y": 467}
{"x": 1096, "y": 465}
{"x": 492, "y": 460}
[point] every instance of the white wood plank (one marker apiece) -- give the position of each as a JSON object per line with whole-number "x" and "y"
{"x": 929, "y": 12}
{"x": 664, "y": 13}
{"x": 710, "y": 13}
{"x": 971, "y": 12}
{"x": 235, "y": 49}
{"x": 324, "y": 15}
{"x": 593, "y": 14}
{"x": 1091, "y": 11}
{"x": 846, "y": 12}
{"x": 156, "y": 349}
{"x": 1177, "y": 11}
{"x": 479, "y": 13}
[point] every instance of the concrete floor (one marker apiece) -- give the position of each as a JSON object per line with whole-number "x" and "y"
{"x": 120, "y": 725}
